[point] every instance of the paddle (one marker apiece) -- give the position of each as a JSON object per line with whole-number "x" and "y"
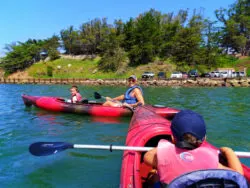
{"x": 49, "y": 148}
{"x": 98, "y": 96}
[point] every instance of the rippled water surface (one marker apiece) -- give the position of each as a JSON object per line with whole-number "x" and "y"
{"x": 226, "y": 112}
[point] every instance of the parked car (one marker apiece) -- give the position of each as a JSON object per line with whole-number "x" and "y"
{"x": 242, "y": 74}
{"x": 224, "y": 74}
{"x": 206, "y": 75}
{"x": 184, "y": 75}
{"x": 234, "y": 74}
{"x": 161, "y": 75}
{"x": 147, "y": 75}
{"x": 193, "y": 73}
{"x": 176, "y": 75}
{"x": 238, "y": 74}
{"x": 215, "y": 74}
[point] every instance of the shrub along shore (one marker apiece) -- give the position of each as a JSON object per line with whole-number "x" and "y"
{"x": 197, "y": 82}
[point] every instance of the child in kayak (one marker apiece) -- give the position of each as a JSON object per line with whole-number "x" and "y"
{"x": 132, "y": 97}
{"x": 75, "y": 95}
{"x": 187, "y": 153}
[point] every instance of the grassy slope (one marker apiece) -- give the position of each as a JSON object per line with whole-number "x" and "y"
{"x": 89, "y": 69}
{"x": 244, "y": 63}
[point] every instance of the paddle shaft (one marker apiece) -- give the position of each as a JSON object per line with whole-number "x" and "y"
{"x": 240, "y": 154}
{"x": 111, "y": 147}
{"x": 49, "y": 148}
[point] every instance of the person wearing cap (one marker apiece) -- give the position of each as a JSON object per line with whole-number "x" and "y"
{"x": 187, "y": 152}
{"x": 132, "y": 97}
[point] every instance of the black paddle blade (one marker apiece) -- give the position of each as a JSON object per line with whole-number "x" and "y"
{"x": 97, "y": 95}
{"x": 48, "y": 148}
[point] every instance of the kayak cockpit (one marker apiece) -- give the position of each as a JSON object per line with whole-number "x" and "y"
{"x": 83, "y": 101}
{"x": 210, "y": 178}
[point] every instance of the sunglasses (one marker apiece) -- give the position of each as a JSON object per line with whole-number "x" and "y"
{"x": 131, "y": 80}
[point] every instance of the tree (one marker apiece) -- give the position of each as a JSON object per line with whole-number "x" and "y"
{"x": 170, "y": 27}
{"x": 70, "y": 40}
{"x": 210, "y": 45}
{"x": 146, "y": 39}
{"x": 113, "y": 56}
{"x": 51, "y": 45}
{"x": 187, "y": 42}
{"x": 24, "y": 54}
{"x": 236, "y": 29}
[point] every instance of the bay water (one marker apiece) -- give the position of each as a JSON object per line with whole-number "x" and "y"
{"x": 225, "y": 110}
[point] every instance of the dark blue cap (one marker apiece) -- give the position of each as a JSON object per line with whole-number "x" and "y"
{"x": 188, "y": 121}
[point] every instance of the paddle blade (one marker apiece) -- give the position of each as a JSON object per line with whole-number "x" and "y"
{"x": 97, "y": 95}
{"x": 48, "y": 148}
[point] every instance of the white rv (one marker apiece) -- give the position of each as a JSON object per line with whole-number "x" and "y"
{"x": 225, "y": 72}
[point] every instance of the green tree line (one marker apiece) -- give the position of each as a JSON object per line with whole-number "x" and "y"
{"x": 182, "y": 38}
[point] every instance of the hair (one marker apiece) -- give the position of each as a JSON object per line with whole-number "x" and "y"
{"x": 189, "y": 138}
{"x": 75, "y": 87}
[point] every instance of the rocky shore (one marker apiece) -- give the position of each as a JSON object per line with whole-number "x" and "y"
{"x": 198, "y": 82}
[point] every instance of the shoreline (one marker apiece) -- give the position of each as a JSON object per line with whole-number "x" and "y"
{"x": 194, "y": 82}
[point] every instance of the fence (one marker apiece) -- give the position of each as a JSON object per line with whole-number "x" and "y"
{"x": 232, "y": 82}
{"x": 56, "y": 81}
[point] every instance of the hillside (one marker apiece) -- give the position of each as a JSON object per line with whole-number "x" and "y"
{"x": 73, "y": 67}
{"x": 76, "y": 67}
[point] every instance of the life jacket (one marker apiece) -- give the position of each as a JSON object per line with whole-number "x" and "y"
{"x": 128, "y": 98}
{"x": 173, "y": 161}
{"x": 76, "y": 98}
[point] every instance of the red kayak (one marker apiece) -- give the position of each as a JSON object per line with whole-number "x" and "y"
{"x": 93, "y": 108}
{"x": 145, "y": 130}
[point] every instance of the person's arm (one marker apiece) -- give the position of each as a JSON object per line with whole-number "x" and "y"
{"x": 119, "y": 98}
{"x": 150, "y": 158}
{"x": 232, "y": 160}
{"x": 74, "y": 99}
{"x": 139, "y": 97}
{"x": 78, "y": 97}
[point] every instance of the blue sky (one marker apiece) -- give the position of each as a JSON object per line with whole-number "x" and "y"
{"x": 36, "y": 19}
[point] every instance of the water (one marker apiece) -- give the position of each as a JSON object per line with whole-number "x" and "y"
{"x": 226, "y": 112}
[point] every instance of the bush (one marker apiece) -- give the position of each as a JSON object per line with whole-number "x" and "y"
{"x": 248, "y": 72}
{"x": 6, "y": 73}
{"x": 113, "y": 60}
{"x": 53, "y": 54}
{"x": 226, "y": 61}
{"x": 49, "y": 71}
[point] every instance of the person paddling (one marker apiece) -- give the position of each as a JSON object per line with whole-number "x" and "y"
{"x": 188, "y": 152}
{"x": 132, "y": 97}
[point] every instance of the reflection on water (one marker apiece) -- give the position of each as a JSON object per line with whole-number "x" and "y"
{"x": 106, "y": 120}
{"x": 47, "y": 118}
{"x": 88, "y": 156}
